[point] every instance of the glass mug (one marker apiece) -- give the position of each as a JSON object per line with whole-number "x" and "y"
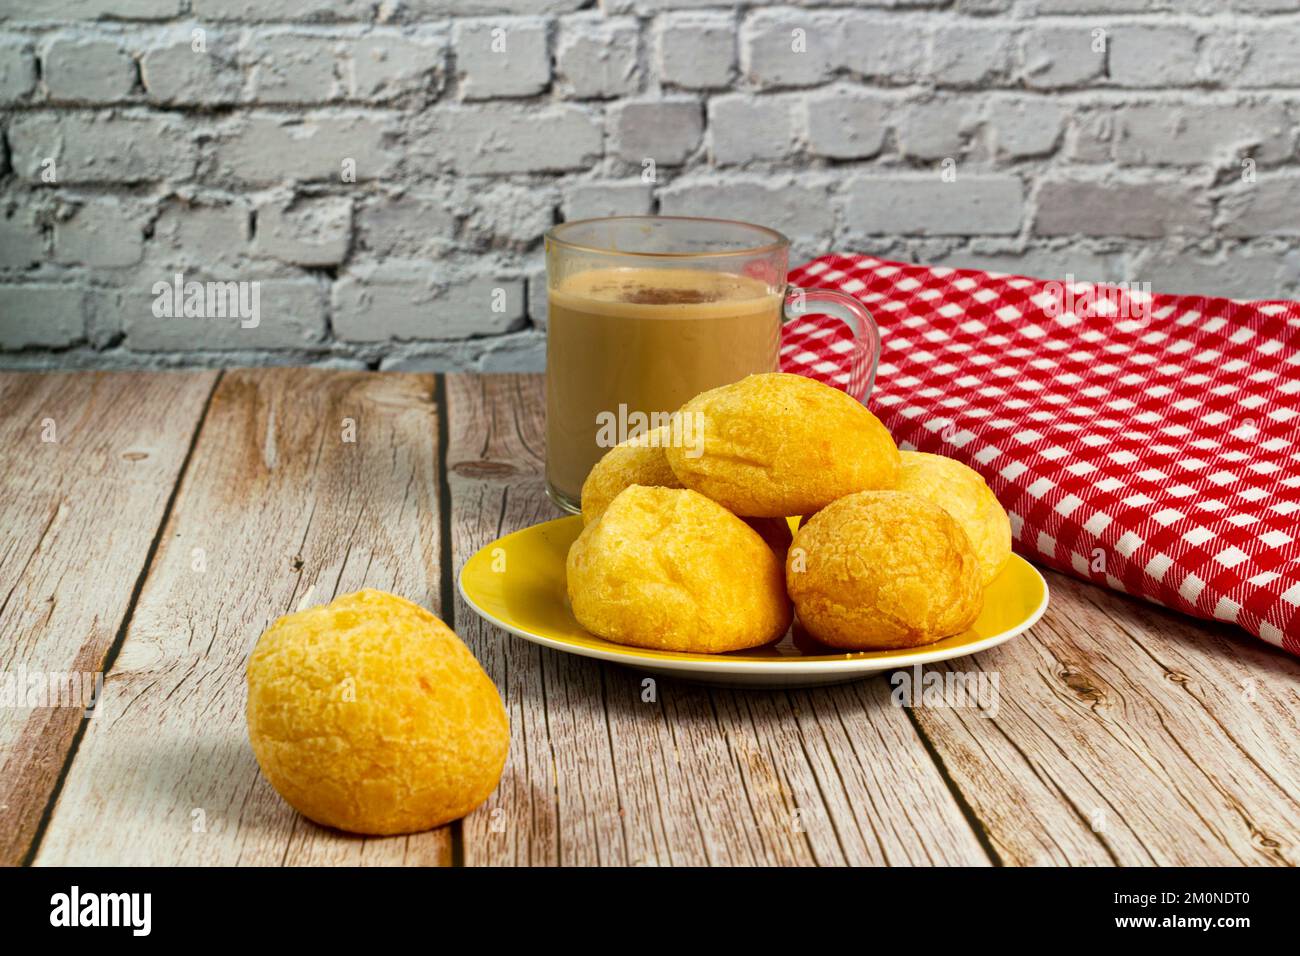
{"x": 646, "y": 312}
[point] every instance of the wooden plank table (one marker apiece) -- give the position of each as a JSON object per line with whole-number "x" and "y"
{"x": 155, "y": 523}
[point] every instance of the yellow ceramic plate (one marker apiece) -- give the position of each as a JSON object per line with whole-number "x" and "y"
{"x": 517, "y": 583}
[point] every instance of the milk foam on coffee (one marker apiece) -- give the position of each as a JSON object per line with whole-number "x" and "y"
{"x": 627, "y": 341}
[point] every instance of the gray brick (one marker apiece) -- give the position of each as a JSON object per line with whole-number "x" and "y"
{"x": 1153, "y": 55}
{"x": 291, "y": 315}
{"x": 175, "y": 73}
{"x": 1267, "y": 207}
{"x": 504, "y": 213}
{"x": 1136, "y": 167}
{"x": 1264, "y": 6}
{"x": 934, "y": 130}
{"x": 22, "y": 242}
{"x": 1060, "y": 57}
{"x": 503, "y": 57}
{"x": 788, "y": 48}
{"x": 1272, "y": 60}
{"x": 196, "y": 237}
{"x": 414, "y": 225}
{"x": 385, "y": 64}
{"x": 1039, "y": 263}
{"x": 1020, "y": 128}
{"x": 537, "y": 297}
{"x": 523, "y": 351}
{"x": 970, "y": 56}
{"x": 927, "y": 206}
{"x": 696, "y": 50}
{"x": 647, "y": 7}
{"x": 983, "y": 7}
{"x": 1221, "y": 55}
{"x": 1238, "y": 273}
{"x": 276, "y": 148}
{"x": 92, "y": 10}
{"x": 1088, "y": 136}
{"x": 1139, "y": 209}
{"x": 281, "y": 10}
{"x": 1198, "y": 134}
{"x": 883, "y": 48}
{"x": 51, "y": 316}
{"x": 745, "y": 128}
{"x": 306, "y": 232}
{"x": 87, "y": 70}
{"x": 103, "y": 317}
{"x": 100, "y": 233}
{"x": 796, "y": 207}
{"x": 17, "y": 68}
{"x": 293, "y": 68}
{"x": 478, "y": 8}
{"x": 596, "y": 58}
{"x": 1092, "y": 6}
{"x": 667, "y": 131}
{"x": 407, "y": 301}
{"x": 846, "y": 124}
{"x": 113, "y": 148}
{"x": 591, "y": 200}
{"x": 509, "y": 139}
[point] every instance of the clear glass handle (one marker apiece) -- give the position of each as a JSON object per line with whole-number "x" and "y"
{"x": 866, "y": 336}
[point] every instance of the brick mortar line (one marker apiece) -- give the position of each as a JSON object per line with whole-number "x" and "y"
{"x": 747, "y": 12}
{"x": 909, "y": 151}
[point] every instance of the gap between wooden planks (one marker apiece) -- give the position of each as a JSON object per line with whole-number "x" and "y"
{"x": 276, "y": 509}
{"x": 90, "y": 460}
{"x": 1131, "y": 735}
{"x": 1087, "y": 762}
{"x": 701, "y": 776}
{"x": 1126, "y": 734}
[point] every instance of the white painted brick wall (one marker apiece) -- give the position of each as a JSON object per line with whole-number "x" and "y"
{"x": 385, "y": 170}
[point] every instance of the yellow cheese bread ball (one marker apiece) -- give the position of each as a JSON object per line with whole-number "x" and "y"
{"x": 637, "y": 461}
{"x": 668, "y": 568}
{"x": 776, "y": 445}
{"x": 883, "y": 569}
{"x": 368, "y": 714}
{"x": 962, "y": 492}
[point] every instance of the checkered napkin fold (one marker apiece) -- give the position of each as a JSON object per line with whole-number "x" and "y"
{"x": 1150, "y": 443}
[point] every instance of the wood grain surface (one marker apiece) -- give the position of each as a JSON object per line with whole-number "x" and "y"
{"x": 179, "y": 514}
{"x": 1130, "y": 735}
{"x": 81, "y": 452}
{"x": 599, "y": 775}
{"x": 277, "y": 510}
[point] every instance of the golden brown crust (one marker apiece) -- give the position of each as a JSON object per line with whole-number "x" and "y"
{"x": 962, "y": 492}
{"x": 883, "y": 569}
{"x": 637, "y": 461}
{"x": 668, "y": 568}
{"x": 776, "y": 445}
{"x": 370, "y": 715}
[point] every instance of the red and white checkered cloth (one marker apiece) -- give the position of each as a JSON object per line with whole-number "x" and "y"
{"x": 1150, "y": 443}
